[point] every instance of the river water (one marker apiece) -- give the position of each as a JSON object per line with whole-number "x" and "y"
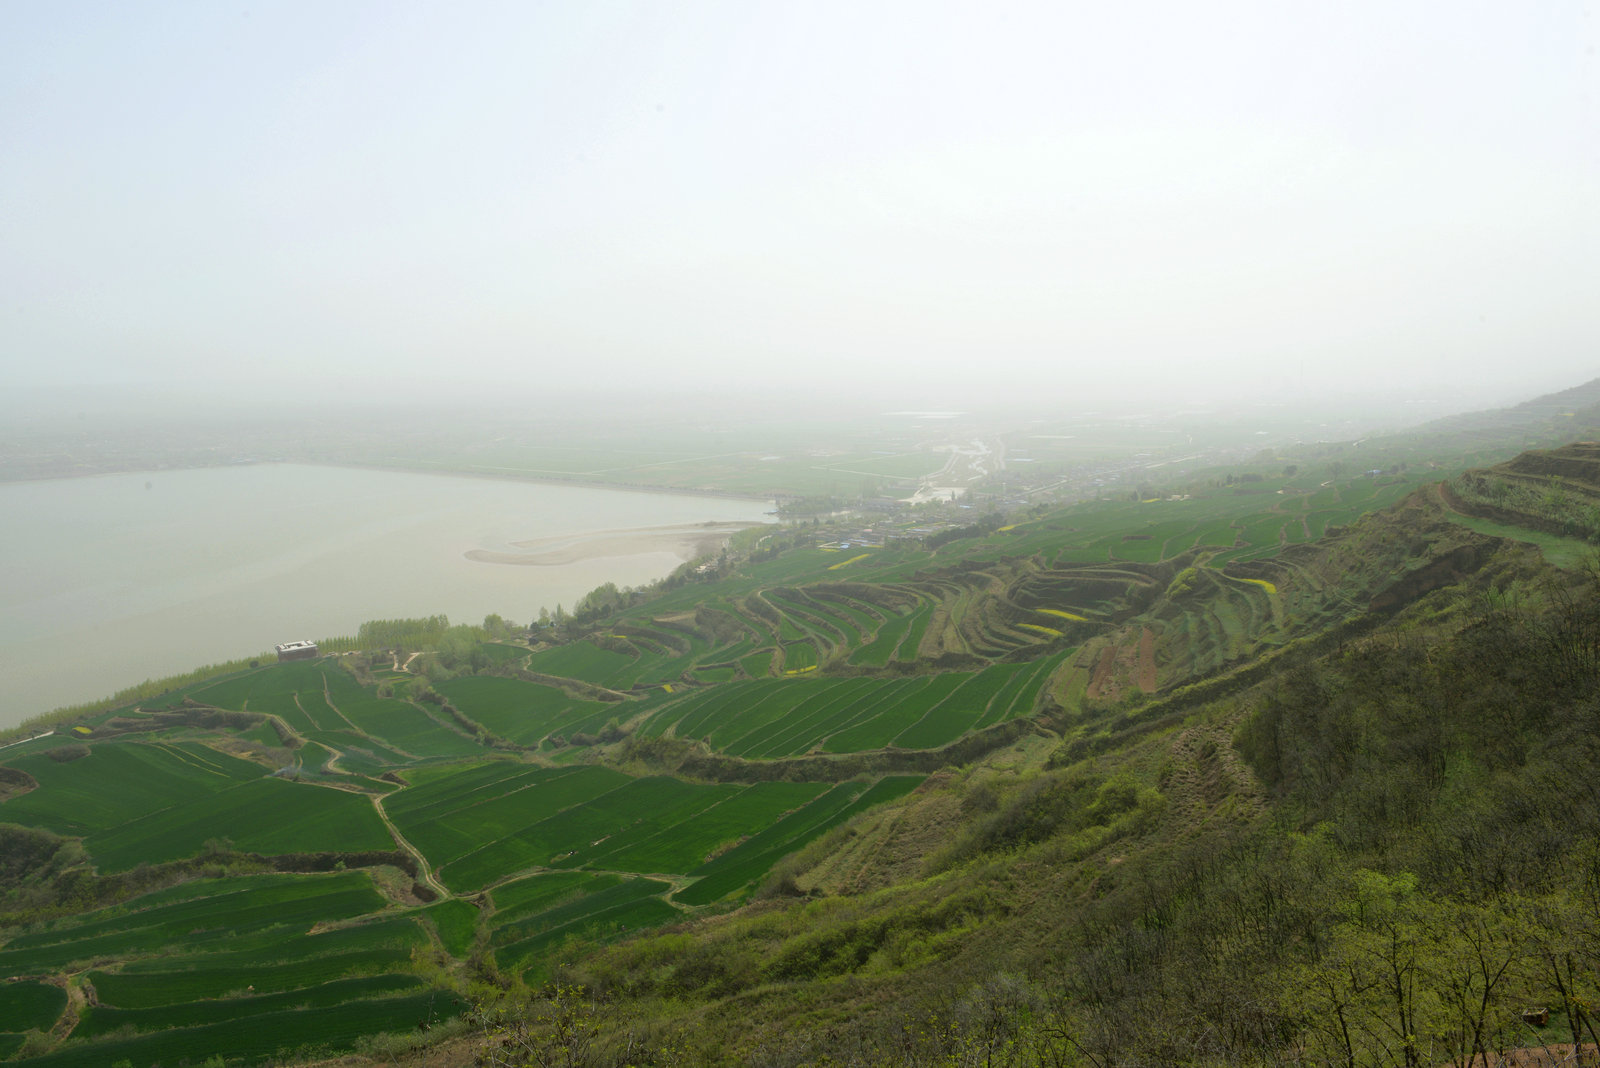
{"x": 111, "y": 580}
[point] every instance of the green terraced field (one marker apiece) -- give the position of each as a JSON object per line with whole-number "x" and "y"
{"x": 224, "y": 966}
{"x": 399, "y": 725}
{"x": 586, "y": 661}
{"x": 666, "y": 826}
{"x": 269, "y": 690}
{"x": 743, "y": 812}
{"x": 265, "y": 816}
{"x": 631, "y": 825}
{"x": 956, "y": 713}
{"x": 332, "y": 1027}
{"x": 359, "y": 754}
{"x": 99, "y": 1020}
{"x": 537, "y": 893}
{"x": 523, "y": 712}
{"x": 757, "y": 665}
{"x": 603, "y": 912}
{"x": 1019, "y": 695}
{"x": 119, "y": 782}
{"x": 799, "y": 656}
{"x": 193, "y": 916}
{"x": 823, "y": 709}
{"x": 767, "y": 719}
{"x": 881, "y": 649}
{"x": 288, "y": 961}
{"x": 30, "y": 1006}
{"x": 912, "y": 641}
{"x": 496, "y": 830}
{"x": 456, "y": 922}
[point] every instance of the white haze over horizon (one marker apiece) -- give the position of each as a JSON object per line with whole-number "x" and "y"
{"x": 920, "y": 201}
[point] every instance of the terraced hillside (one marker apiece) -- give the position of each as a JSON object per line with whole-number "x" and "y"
{"x": 308, "y": 854}
{"x": 1556, "y": 491}
{"x": 1219, "y": 872}
{"x": 1124, "y": 596}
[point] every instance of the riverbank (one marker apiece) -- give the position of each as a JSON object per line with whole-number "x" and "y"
{"x": 686, "y": 541}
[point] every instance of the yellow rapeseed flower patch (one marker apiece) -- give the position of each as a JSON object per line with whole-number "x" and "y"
{"x": 847, "y": 563}
{"x": 1009, "y": 526}
{"x": 1263, "y": 583}
{"x": 1064, "y": 615}
{"x": 1042, "y": 630}
{"x": 801, "y": 671}
{"x": 667, "y": 686}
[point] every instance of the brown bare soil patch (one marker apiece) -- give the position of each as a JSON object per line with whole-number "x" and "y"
{"x": 1147, "y": 661}
{"x": 1127, "y": 660}
{"x": 271, "y": 758}
{"x": 1102, "y": 677}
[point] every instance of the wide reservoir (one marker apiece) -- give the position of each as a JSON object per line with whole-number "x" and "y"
{"x": 110, "y": 580}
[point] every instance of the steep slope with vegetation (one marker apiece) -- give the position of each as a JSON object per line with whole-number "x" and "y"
{"x": 1556, "y": 490}
{"x": 1376, "y": 847}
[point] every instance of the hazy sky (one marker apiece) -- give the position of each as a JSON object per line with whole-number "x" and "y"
{"x": 1225, "y": 198}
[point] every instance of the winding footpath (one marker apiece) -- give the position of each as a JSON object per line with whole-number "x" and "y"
{"x": 425, "y": 873}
